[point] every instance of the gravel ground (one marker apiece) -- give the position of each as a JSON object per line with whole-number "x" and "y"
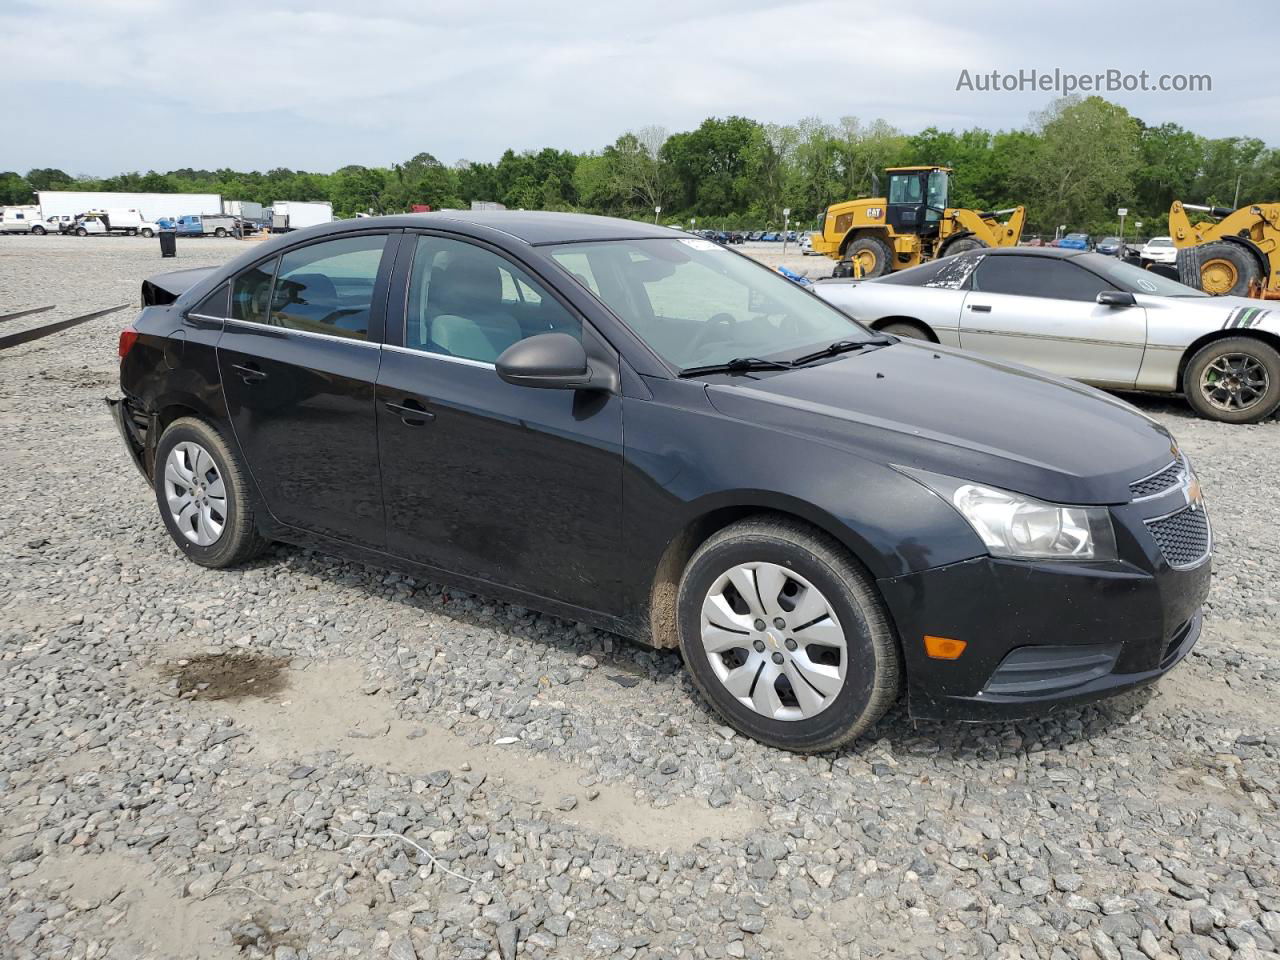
{"x": 311, "y": 758}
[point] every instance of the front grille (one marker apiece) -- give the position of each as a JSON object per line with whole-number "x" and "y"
{"x": 1183, "y": 537}
{"x": 1157, "y": 483}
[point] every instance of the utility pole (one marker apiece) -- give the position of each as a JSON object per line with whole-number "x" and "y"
{"x": 656, "y": 211}
{"x": 786, "y": 219}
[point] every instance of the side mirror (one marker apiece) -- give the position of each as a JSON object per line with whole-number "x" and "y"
{"x": 554, "y": 361}
{"x": 1117, "y": 298}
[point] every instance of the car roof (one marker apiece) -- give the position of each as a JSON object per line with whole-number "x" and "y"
{"x": 534, "y": 227}
{"x": 1060, "y": 253}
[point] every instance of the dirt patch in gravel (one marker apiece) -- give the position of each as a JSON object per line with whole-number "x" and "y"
{"x": 321, "y": 708}
{"x": 228, "y": 676}
{"x": 136, "y": 907}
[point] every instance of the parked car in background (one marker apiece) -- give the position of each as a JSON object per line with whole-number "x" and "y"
{"x": 124, "y": 221}
{"x": 22, "y": 219}
{"x": 1085, "y": 316}
{"x": 59, "y": 224}
{"x": 1109, "y": 246}
{"x": 1074, "y": 241}
{"x": 806, "y": 244}
{"x": 193, "y": 225}
{"x": 1159, "y": 250}
{"x": 770, "y": 236}
{"x": 654, "y": 455}
{"x": 756, "y": 235}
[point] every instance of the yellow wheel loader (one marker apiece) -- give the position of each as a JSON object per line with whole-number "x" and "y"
{"x": 1235, "y": 252}
{"x": 915, "y": 223}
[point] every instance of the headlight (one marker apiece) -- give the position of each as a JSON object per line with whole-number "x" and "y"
{"x": 1015, "y": 525}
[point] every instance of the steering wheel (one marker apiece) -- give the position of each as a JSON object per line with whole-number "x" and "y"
{"x": 717, "y": 329}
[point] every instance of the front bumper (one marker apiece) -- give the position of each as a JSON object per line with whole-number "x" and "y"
{"x": 1041, "y": 635}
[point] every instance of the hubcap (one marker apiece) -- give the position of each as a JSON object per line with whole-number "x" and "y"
{"x": 1234, "y": 382}
{"x": 196, "y": 495}
{"x": 788, "y": 672}
{"x": 1218, "y": 276}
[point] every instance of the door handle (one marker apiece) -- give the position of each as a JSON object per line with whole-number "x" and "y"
{"x": 410, "y": 412}
{"x": 980, "y": 307}
{"x": 248, "y": 372}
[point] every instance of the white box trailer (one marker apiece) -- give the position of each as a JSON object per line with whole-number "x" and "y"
{"x": 151, "y": 206}
{"x": 296, "y": 214}
{"x": 244, "y": 209}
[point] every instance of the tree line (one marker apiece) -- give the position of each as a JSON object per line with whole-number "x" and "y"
{"x": 1073, "y": 164}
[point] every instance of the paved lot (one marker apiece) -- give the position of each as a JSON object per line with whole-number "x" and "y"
{"x": 310, "y": 758}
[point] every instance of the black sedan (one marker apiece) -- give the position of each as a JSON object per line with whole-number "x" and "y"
{"x": 642, "y": 430}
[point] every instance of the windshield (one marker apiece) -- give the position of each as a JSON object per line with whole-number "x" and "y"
{"x": 1136, "y": 280}
{"x": 1160, "y": 242}
{"x": 696, "y": 303}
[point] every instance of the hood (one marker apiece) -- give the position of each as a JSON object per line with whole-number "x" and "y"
{"x": 167, "y": 287}
{"x": 940, "y": 409}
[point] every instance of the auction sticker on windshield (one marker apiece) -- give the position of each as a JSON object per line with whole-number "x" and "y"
{"x": 698, "y": 244}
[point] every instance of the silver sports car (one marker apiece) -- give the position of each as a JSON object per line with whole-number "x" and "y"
{"x": 1087, "y": 317}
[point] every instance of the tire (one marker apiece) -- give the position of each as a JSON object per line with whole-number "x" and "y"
{"x": 237, "y": 540}
{"x": 906, "y": 328}
{"x": 39, "y": 231}
{"x": 1221, "y": 269}
{"x": 873, "y": 254}
{"x": 220, "y": 232}
{"x": 793, "y": 556}
{"x": 1235, "y": 380}
{"x": 81, "y": 232}
{"x": 964, "y": 245}
{"x": 148, "y": 232}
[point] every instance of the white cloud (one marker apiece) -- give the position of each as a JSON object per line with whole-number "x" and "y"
{"x": 103, "y": 85}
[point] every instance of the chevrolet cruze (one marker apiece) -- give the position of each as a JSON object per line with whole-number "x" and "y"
{"x": 632, "y": 427}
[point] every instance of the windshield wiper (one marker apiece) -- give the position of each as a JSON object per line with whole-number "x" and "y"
{"x": 840, "y": 346}
{"x": 737, "y": 365}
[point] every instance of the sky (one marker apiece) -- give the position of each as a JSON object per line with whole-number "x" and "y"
{"x": 98, "y": 87}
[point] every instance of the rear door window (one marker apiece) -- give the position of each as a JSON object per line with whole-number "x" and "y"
{"x": 328, "y": 287}
{"x": 251, "y": 292}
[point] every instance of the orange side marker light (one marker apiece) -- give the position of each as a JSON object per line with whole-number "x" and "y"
{"x": 943, "y": 648}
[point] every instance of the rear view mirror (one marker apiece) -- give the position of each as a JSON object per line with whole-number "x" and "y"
{"x": 1117, "y": 298}
{"x": 554, "y": 361}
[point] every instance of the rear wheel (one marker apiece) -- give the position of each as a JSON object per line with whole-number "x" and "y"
{"x": 963, "y": 245}
{"x": 148, "y": 232}
{"x": 785, "y": 635}
{"x": 869, "y": 256}
{"x": 38, "y": 231}
{"x": 1235, "y": 380}
{"x": 220, "y": 232}
{"x": 905, "y": 328}
{"x": 202, "y": 491}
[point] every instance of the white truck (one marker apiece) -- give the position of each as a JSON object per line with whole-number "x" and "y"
{"x": 244, "y": 210}
{"x": 128, "y": 222}
{"x": 23, "y": 219}
{"x": 296, "y": 214}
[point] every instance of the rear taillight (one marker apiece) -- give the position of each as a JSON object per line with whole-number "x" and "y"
{"x": 128, "y": 337}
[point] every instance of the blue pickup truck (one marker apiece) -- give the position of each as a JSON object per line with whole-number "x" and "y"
{"x": 200, "y": 225}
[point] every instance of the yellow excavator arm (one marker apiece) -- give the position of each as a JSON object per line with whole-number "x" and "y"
{"x": 989, "y": 228}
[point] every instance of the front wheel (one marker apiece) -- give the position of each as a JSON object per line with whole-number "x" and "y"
{"x": 786, "y": 636}
{"x": 869, "y": 257}
{"x": 1235, "y": 380}
{"x": 81, "y": 232}
{"x": 202, "y": 491}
